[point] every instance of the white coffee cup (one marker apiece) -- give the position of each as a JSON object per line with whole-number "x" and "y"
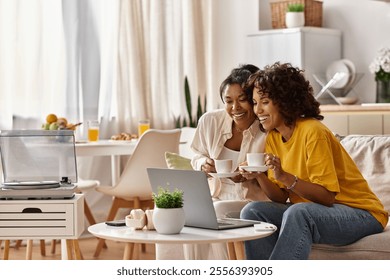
{"x": 255, "y": 159}
{"x": 223, "y": 165}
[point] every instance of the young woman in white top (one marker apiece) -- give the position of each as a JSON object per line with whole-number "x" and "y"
{"x": 228, "y": 133}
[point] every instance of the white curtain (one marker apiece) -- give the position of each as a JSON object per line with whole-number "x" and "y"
{"x": 117, "y": 61}
{"x": 57, "y": 56}
{"x": 31, "y": 57}
{"x": 161, "y": 42}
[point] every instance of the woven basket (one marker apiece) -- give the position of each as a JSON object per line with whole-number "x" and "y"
{"x": 313, "y": 12}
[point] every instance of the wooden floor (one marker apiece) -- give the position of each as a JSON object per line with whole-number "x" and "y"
{"x": 114, "y": 251}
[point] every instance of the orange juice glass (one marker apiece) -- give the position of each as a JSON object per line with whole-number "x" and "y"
{"x": 143, "y": 125}
{"x": 93, "y": 131}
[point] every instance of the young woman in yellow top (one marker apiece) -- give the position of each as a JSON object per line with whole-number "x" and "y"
{"x": 317, "y": 193}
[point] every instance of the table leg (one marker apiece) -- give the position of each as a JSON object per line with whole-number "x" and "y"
{"x": 236, "y": 250}
{"x": 129, "y": 250}
{"x": 69, "y": 249}
{"x": 43, "y": 247}
{"x": 231, "y": 251}
{"x": 64, "y": 251}
{"x": 29, "y": 248}
{"x": 6, "y": 249}
{"x": 53, "y": 246}
{"x": 76, "y": 248}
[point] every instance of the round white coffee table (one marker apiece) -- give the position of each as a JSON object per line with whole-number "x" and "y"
{"x": 189, "y": 235}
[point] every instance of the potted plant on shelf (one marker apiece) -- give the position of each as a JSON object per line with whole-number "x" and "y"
{"x": 168, "y": 213}
{"x": 295, "y": 16}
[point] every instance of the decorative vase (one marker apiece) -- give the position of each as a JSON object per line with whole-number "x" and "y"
{"x": 168, "y": 220}
{"x": 295, "y": 19}
{"x": 382, "y": 91}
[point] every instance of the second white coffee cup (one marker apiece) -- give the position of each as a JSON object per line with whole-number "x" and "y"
{"x": 255, "y": 159}
{"x": 223, "y": 165}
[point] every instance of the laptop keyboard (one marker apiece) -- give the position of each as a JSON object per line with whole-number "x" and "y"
{"x": 221, "y": 223}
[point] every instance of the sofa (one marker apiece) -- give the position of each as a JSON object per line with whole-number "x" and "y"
{"x": 372, "y": 155}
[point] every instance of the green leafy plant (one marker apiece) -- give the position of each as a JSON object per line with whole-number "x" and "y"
{"x": 295, "y": 8}
{"x": 166, "y": 199}
{"x": 190, "y": 120}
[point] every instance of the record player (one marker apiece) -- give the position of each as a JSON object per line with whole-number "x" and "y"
{"x": 38, "y": 164}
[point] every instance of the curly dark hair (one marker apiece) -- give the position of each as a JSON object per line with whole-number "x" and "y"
{"x": 288, "y": 89}
{"x": 239, "y": 76}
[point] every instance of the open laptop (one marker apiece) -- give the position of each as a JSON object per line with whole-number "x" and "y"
{"x": 38, "y": 164}
{"x": 198, "y": 204}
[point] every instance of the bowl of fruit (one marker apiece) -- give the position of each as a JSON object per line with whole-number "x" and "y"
{"x": 58, "y": 123}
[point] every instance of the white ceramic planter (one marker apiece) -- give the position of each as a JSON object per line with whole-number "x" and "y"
{"x": 295, "y": 19}
{"x": 169, "y": 220}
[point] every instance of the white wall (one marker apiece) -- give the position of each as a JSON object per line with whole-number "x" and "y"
{"x": 365, "y": 25}
{"x": 234, "y": 19}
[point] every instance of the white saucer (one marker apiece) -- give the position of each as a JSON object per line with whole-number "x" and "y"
{"x": 254, "y": 168}
{"x": 224, "y": 175}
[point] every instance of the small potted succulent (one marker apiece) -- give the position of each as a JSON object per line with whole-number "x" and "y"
{"x": 168, "y": 213}
{"x": 295, "y": 16}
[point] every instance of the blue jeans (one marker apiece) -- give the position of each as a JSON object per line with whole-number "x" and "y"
{"x": 302, "y": 224}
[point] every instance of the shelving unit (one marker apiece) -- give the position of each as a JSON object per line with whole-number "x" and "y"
{"x": 357, "y": 119}
{"x": 309, "y": 48}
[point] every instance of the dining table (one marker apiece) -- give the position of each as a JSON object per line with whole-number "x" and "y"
{"x": 112, "y": 148}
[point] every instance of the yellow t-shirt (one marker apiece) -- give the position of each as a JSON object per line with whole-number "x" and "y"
{"x": 315, "y": 155}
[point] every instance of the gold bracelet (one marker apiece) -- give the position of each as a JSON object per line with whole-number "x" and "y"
{"x": 293, "y": 184}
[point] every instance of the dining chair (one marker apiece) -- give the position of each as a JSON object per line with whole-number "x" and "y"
{"x": 133, "y": 190}
{"x": 186, "y": 137}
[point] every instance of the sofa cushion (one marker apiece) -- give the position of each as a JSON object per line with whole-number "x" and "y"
{"x": 176, "y": 161}
{"x": 371, "y": 154}
{"x": 372, "y": 247}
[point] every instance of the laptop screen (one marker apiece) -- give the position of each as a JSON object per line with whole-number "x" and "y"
{"x": 37, "y": 156}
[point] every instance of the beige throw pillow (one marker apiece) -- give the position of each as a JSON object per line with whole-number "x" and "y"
{"x": 371, "y": 154}
{"x": 175, "y": 161}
